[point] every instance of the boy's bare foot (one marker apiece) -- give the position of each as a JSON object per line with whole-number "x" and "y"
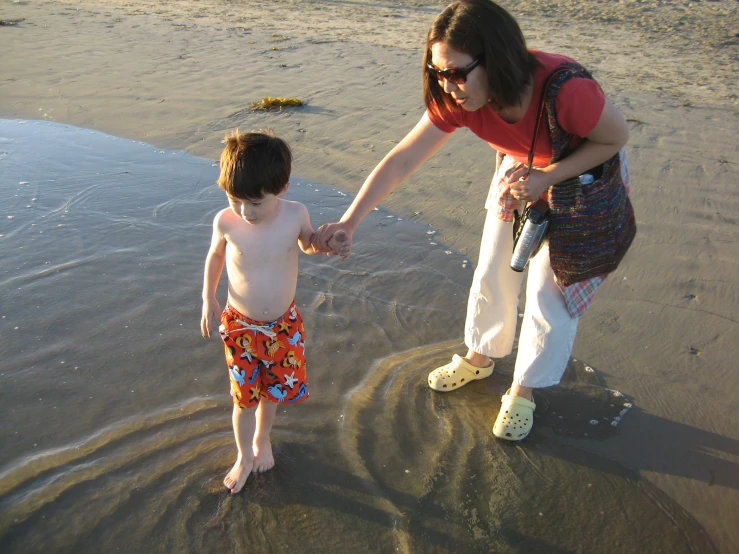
{"x": 263, "y": 459}
{"x": 236, "y": 478}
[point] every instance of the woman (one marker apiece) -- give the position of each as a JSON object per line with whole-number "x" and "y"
{"x": 479, "y": 74}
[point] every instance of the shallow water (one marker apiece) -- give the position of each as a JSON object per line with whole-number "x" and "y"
{"x": 116, "y": 414}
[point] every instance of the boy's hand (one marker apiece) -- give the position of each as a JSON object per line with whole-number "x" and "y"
{"x": 340, "y": 244}
{"x": 211, "y": 315}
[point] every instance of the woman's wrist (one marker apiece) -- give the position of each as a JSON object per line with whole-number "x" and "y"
{"x": 349, "y": 222}
{"x": 552, "y": 175}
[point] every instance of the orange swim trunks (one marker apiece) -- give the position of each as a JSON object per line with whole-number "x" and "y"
{"x": 265, "y": 359}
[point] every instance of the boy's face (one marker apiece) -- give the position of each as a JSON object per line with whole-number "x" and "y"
{"x": 254, "y": 211}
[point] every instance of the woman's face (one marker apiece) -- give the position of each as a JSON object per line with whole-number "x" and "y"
{"x": 471, "y": 95}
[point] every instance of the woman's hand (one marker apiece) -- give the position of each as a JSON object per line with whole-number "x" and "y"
{"x": 324, "y": 234}
{"x": 528, "y": 188}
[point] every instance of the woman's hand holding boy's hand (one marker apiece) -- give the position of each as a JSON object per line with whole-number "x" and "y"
{"x": 340, "y": 244}
{"x": 211, "y": 315}
{"x": 334, "y": 239}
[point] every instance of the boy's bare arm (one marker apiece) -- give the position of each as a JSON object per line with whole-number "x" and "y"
{"x": 214, "y": 263}
{"x": 306, "y": 233}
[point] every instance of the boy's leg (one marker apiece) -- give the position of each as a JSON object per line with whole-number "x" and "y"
{"x": 262, "y": 447}
{"x": 244, "y": 424}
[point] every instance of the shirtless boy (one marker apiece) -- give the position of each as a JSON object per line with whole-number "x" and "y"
{"x": 257, "y": 238}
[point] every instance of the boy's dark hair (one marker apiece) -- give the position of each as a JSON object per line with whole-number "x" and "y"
{"x": 484, "y": 30}
{"x": 254, "y": 164}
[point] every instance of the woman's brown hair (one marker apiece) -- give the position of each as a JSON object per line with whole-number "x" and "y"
{"x": 484, "y": 30}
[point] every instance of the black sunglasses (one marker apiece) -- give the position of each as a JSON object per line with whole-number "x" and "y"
{"x": 456, "y": 75}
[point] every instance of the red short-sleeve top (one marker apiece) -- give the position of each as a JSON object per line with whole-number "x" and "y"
{"x": 579, "y": 106}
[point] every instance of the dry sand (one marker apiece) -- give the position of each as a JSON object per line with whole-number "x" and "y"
{"x": 664, "y": 328}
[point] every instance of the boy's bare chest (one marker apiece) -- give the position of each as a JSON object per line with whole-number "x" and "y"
{"x": 274, "y": 243}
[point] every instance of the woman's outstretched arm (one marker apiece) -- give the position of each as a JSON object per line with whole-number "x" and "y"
{"x": 419, "y": 145}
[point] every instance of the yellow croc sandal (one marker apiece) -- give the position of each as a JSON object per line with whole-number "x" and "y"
{"x": 457, "y": 373}
{"x": 515, "y": 419}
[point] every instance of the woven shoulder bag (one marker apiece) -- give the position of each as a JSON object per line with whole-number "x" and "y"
{"x": 592, "y": 225}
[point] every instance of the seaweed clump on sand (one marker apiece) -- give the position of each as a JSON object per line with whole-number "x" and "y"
{"x": 8, "y": 22}
{"x": 276, "y": 104}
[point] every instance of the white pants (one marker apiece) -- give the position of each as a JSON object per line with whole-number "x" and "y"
{"x": 547, "y": 330}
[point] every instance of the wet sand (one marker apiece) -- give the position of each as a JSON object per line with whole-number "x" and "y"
{"x": 120, "y": 412}
{"x": 663, "y": 331}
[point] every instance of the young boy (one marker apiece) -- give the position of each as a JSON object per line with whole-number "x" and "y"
{"x": 262, "y": 330}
